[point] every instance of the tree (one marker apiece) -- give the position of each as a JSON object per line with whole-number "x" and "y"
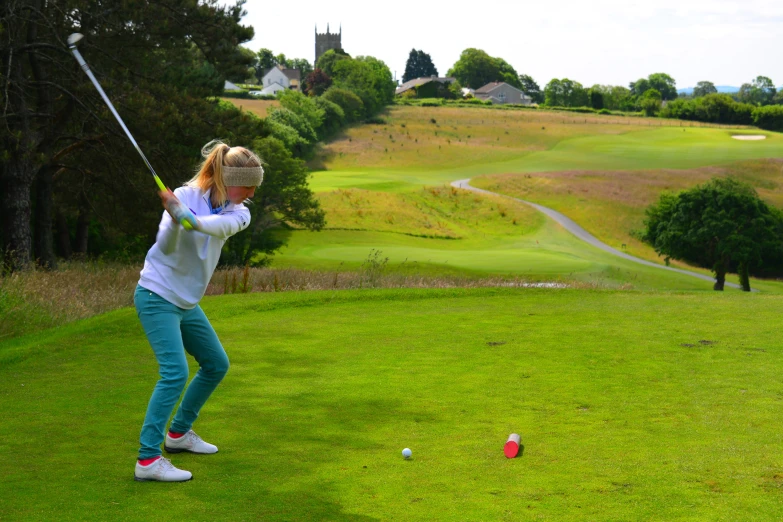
{"x": 328, "y": 60}
{"x": 639, "y": 87}
{"x": 303, "y": 106}
{"x": 301, "y": 64}
{"x": 316, "y": 83}
{"x": 266, "y": 59}
{"x": 760, "y": 92}
{"x": 54, "y": 126}
{"x": 650, "y": 102}
{"x": 475, "y": 68}
{"x": 615, "y": 97}
{"x": 301, "y": 125}
{"x": 664, "y": 84}
{"x": 596, "y": 98}
{"x": 334, "y": 117}
{"x": 565, "y": 93}
{"x": 283, "y": 200}
{"x": 720, "y": 225}
{"x": 419, "y": 65}
{"x": 703, "y": 89}
{"x": 508, "y": 74}
{"x": 531, "y": 88}
{"x": 369, "y": 78}
{"x": 280, "y": 59}
{"x": 248, "y": 73}
{"x": 350, "y": 103}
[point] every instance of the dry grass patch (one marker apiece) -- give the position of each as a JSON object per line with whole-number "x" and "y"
{"x": 447, "y": 137}
{"x": 257, "y": 107}
{"x": 35, "y": 300}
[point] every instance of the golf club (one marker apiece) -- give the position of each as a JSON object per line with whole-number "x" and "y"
{"x": 182, "y": 213}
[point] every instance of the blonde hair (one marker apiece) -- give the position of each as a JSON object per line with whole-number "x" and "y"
{"x": 217, "y": 155}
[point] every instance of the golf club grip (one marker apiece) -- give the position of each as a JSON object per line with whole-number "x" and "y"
{"x": 184, "y": 216}
{"x": 86, "y": 69}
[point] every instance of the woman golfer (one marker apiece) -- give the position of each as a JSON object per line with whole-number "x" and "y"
{"x": 176, "y": 272}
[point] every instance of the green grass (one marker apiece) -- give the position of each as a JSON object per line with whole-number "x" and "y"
{"x": 600, "y": 171}
{"x": 625, "y": 412}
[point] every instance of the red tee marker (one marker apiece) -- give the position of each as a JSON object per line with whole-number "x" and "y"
{"x": 512, "y": 446}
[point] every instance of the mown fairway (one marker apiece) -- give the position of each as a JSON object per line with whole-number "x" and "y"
{"x": 631, "y": 406}
{"x": 382, "y": 188}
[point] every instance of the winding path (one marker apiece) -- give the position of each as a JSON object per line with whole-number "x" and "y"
{"x": 583, "y": 234}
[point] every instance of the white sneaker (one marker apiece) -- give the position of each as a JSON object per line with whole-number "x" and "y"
{"x": 189, "y": 442}
{"x": 162, "y": 470}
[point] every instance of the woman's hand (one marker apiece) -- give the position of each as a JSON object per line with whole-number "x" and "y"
{"x": 178, "y": 211}
{"x": 167, "y": 197}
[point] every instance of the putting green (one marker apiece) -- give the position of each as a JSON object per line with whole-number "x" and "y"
{"x": 631, "y": 406}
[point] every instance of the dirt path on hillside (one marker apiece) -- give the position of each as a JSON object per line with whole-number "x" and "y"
{"x": 583, "y": 234}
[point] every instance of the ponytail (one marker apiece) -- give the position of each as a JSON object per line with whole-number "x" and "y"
{"x": 210, "y": 172}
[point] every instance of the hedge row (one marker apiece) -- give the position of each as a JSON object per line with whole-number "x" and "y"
{"x": 721, "y": 108}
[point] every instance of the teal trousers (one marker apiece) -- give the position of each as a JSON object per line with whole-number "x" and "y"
{"x": 172, "y": 332}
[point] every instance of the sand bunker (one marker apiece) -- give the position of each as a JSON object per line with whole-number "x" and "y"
{"x": 749, "y": 137}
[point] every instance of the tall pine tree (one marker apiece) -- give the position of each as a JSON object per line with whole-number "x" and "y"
{"x": 419, "y": 65}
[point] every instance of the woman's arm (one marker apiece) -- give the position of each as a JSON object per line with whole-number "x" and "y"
{"x": 168, "y": 232}
{"x": 225, "y": 225}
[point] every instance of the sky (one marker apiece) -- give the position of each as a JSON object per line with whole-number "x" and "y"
{"x": 727, "y": 42}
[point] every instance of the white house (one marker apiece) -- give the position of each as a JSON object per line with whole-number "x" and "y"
{"x": 501, "y": 92}
{"x": 279, "y": 78}
{"x": 228, "y": 86}
{"x": 271, "y": 89}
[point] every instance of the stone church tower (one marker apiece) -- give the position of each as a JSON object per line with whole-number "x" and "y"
{"x": 324, "y": 42}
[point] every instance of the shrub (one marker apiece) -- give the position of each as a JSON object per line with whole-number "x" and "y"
{"x": 470, "y": 101}
{"x": 769, "y": 117}
{"x": 713, "y": 108}
{"x": 334, "y": 116}
{"x": 352, "y": 105}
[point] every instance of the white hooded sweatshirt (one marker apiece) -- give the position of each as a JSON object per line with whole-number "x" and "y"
{"x": 180, "y": 264}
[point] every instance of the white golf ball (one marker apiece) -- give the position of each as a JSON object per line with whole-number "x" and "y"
{"x": 406, "y": 453}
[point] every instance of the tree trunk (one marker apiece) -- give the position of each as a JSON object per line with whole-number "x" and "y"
{"x": 63, "y": 235}
{"x": 15, "y": 211}
{"x": 82, "y": 228}
{"x": 43, "y": 240}
{"x": 720, "y": 275}
{"x": 744, "y": 275}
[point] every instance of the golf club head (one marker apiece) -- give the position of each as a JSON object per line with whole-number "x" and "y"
{"x": 74, "y": 39}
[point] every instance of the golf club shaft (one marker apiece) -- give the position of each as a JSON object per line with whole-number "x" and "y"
{"x": 97, "y": 85}
{"x": 185, "y": 216}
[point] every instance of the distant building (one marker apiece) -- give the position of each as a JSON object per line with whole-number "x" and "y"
{"x": 326, "y": 41}
{"x": 278, "y": 78}
{"x": 501, "y": 93}
{"x": 228, "y": 86}
{"x": 426, "y": 87}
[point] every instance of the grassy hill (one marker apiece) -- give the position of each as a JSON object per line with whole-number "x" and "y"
{"x": 619, "y": 421}
{"x": 384, "y": 187}
{"x": 611, "y": 204}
